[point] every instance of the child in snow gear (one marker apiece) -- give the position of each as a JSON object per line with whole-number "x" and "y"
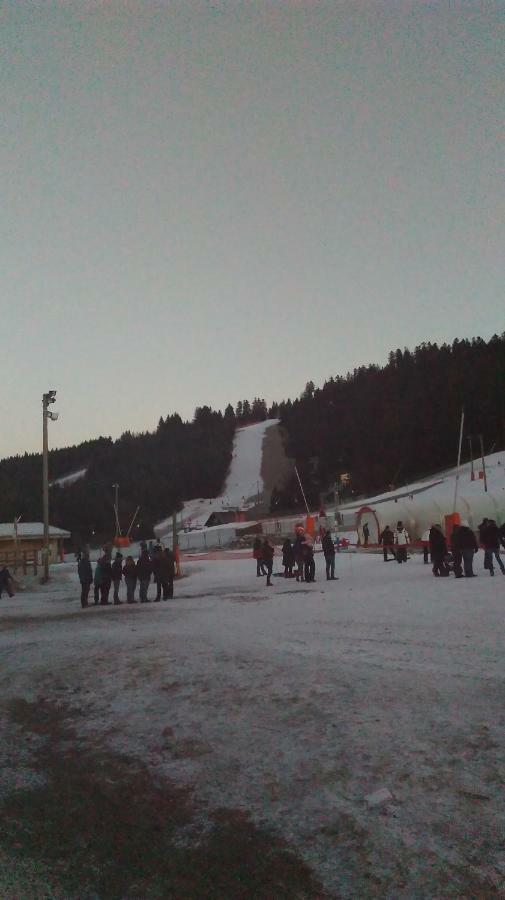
{"x": 288, "y": 558}
{"x": 117, "y": 574}
{"x": 329, "y": 555}
{"x": 130, "y": 577}
{"x": 268, "y": 552}
{"x": 85, "y": 573}
{"x": 401, "y": 542}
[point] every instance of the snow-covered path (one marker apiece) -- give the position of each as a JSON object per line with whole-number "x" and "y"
{"x": 296, "y": 702}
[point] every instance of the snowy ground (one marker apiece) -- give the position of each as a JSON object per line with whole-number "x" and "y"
{"x": 293, "y": 704}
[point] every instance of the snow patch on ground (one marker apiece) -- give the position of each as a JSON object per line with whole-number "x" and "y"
{"x": 298, "y": 702}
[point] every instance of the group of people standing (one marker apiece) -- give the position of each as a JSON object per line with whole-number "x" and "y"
{"x": 463, "y": 548}
{"x": 297, "y": 556}
{"x": 109, "y": 573}
{"x": 395, "y": 543}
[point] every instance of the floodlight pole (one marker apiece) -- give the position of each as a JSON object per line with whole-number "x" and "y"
{"x": 47, "y": 398}
{"x": 45, "y": 488}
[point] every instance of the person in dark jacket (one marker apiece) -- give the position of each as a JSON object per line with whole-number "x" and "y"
{"x": 268, "y": 551}
{"x": 438, "y": 549}
{"x": 258, "y": 556}
{"x": 387, "y": 540}
{"x": 156, "y": 559}
{"x": 464, "y": 547}
{"x": 481, "y": 529}
{"x": 117, "y": 574}
{"x": 309, "y": 564}
{"x": 366, "y": 534}
{"x": 6, "y": 582}
{"x": 106, "y": 578}
{"x": 166, "y": 573}
{"x": 298, "y": 552}
{"x": 130, "y": 577}
{"x": 491, "y": 541}
{"x": 97, "y": 580}
{"x": 288, "y": 558}
{"x": 85, "y": 573}
{"x": 329, "y": 555}
{"x": 501, "y": 534}
{"x": 144, "y": 571}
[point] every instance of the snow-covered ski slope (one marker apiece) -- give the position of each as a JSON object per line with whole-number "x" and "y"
{"x": 244, "y": 483}
{"x": 66, "y": 480}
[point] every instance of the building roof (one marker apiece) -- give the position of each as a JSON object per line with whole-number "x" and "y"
{"x": 30, "y": 530}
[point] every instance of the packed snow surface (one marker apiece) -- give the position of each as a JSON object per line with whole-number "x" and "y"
{"x": 244, "y": 482}
{"x": 298, "y": 702}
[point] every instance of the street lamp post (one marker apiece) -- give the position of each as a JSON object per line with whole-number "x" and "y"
{"x": 47, "y": 399}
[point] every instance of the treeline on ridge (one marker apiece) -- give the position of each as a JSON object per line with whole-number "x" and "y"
{"x": 382, "y": 426}
{"x": 389, "y": 425}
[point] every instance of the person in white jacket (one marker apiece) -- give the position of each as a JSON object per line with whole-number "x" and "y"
{"x": 402, "y": 541}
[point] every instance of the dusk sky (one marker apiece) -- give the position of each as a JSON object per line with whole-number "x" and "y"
{"x": 208, "y": 201}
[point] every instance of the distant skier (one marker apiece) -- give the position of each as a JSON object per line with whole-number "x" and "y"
{"x": 387, "y": 540}
{"x": 288, "y": 558}
{"x": 438, "y": 548}
{"x": 268, "y": 551}
{"x": 329, "y": 555}
{"x": 117, "y": 574}
{"x": 401, "y": 542}
{"x": 85, "y": 573}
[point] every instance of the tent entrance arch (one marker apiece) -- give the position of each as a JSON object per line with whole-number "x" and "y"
{"x": 368, "y": 515}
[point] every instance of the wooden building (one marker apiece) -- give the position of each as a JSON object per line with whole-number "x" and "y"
{"x": 23, "y": 543}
